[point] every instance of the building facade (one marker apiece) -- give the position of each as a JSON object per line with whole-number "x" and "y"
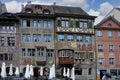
{"x": 108, "y": 46}
{"x": 37, "y": 38}
{"x": 74, "y": 42}
{"x": 9, "y": 40}
{"x": 58, "y": 35}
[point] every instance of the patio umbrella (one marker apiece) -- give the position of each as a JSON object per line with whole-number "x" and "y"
{"x": 64, "y": 72}
{"x": 31, "y": 70}
{"x": 3, "y": 71}
{"x": 68, "y": 72}
{"x": 50, "y": 74}
{"x": 53, "y": 70}
{"x": 11, "y": 70}
{"x": 17, "y": 71}
{"x": 27, "y": 72}
{"x": 73, "y": 74}
{"x": 41, "y": 71}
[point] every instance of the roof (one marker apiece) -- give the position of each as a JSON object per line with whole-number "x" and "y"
{"x": 69, "y": 10}
{"x": 64, "y": 11}
{"x": 9, "y": 16}
{"x": 110, "y": 17}
{"x": 118, "y": 9}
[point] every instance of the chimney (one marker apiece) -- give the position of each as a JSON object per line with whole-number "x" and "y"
{"x": 54, "y": 3}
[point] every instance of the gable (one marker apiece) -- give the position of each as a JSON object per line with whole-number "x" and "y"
{"x": 109, "y": 23}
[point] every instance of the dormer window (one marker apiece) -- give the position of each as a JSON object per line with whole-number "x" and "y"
{"x": 46, "y": 11}
{"x": 38, "y": 7}
{"x": 28, "y": 10}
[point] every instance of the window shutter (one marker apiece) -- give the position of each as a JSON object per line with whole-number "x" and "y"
{"x": 90, "y": 24}
{"x": 77, "y": 24}
{"x": 59, "y": 23}
{"x": 71, "y": 23}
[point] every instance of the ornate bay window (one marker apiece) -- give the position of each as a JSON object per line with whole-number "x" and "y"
{"x": 66, "y": 56}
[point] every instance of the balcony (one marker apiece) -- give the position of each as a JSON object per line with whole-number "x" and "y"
{"x": 66, "y": 60}
{"x": 75, "y": 30}
{"x": 40, "y": 60}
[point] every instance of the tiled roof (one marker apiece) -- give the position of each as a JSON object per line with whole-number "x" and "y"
{"x": 69, "y": 10}
{"x": 59, "y": 9}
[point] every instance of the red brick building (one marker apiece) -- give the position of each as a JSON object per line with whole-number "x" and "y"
{"x": 108, "y": 46}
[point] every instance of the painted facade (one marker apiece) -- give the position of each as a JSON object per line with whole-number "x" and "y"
{"x": 58, "y": 35}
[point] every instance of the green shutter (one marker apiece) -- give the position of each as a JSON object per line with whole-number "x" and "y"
{"x": 90, "y": 24}
{"x": 77, "y": 24}
{"x": 59, "y": 23}
{"x": 71, "y": 23}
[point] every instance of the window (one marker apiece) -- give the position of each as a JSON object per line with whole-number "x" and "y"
{"x": 91, "y": 56}
{"x": 111, "y": 48}
{"x": 118, "y": 33}
{"x": 82, "y": 55}
{"x": 88, "y": 39}
{"x": 47, "y": 38}
{"x": 79, "y": 38}
{"x": 2, "y": 41}
{"x": 78, "y": 71}
{"x": 36, "y": 23}
{"x": 111, "y": 60}
{"x": 60, "y": 37}
{"x": 50, "y": 52}
{"x": 23, "y": 52}
{"x": 110, "y": 34}
{"x": 77, "y": 56}
{"x": 100, "y": 47}
{"x": 11, "y": 41}
{"x": 65, "y": 23}
{"x": 65, "y": 53}
{"x": 41, "y": 52}
{"x": 26, "y": 37}
{"x": 6, "y": 56}
{"x": 89, "y": 71}
{"x": 114, "y": 72}
{"x": 30, "y": 52}
{"x": 70, "y": 37}
{"x": 37, "y": 37}
{"x": 26, "y": 23}
{"x": 3, "y": 27}
{"x": 99, "y": 33}
{"x": 109, "y": 24}
{"x": 83, "y": 25}
{"x": 101, "y": 60}
{"x": 47, "y": 24}
{"x": 8, "y": 28}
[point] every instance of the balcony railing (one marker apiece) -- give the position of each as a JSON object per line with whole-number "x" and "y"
{"x": 66, "y": 60}
{"x": 75, "y": 30}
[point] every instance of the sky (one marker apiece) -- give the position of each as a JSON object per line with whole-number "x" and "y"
{"x": 98, "y": 8}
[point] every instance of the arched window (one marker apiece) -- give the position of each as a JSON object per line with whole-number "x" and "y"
{"x": 28, "y": 10}
{"x": 46, "y": 11}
